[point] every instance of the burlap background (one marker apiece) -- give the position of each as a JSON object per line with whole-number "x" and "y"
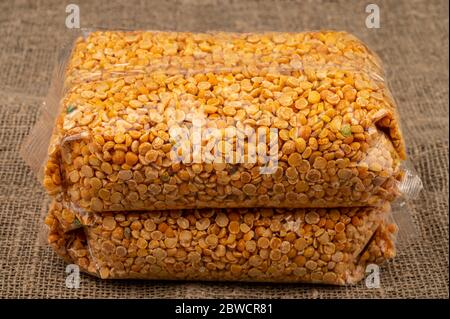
{"x": 412, "y": 42}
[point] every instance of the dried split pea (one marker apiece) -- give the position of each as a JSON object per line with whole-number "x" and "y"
{"x": 314, "y": 97}
{"x": 294, "y": 159}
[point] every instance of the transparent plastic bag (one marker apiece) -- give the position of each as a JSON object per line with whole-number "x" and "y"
{"x": 331, "y": 246}
{"x": 159, "y": 120}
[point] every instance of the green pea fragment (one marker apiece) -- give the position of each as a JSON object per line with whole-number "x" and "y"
{"x": 346, "y": 130}
{"x": 76, "y": 223}
{"x": 70, "y": 109}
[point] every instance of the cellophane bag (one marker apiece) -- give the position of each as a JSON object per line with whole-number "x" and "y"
{"x": 165, "y": 120}
{"x": 331, "y": 246}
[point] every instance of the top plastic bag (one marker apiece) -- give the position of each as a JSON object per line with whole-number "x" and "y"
{"x": 157, "y": 120}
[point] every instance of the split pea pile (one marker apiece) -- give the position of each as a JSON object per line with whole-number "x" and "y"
{"x": 337, "y": 136}
{"x": 330, "y": 246}
{"x": 220, "y": 156}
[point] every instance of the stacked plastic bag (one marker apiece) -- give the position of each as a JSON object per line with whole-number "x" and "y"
{"x": 220, "y": 156}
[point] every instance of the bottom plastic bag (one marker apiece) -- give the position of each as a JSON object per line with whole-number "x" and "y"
{"x": 331, "y": 246}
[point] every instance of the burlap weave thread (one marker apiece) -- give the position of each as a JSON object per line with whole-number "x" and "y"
{"x": 412, "y": 42}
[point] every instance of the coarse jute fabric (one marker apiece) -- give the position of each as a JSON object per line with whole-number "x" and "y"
{"x": 412, "y": 42}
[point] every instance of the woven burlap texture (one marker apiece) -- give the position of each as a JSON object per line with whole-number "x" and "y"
{"x": 412, "y": 42}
